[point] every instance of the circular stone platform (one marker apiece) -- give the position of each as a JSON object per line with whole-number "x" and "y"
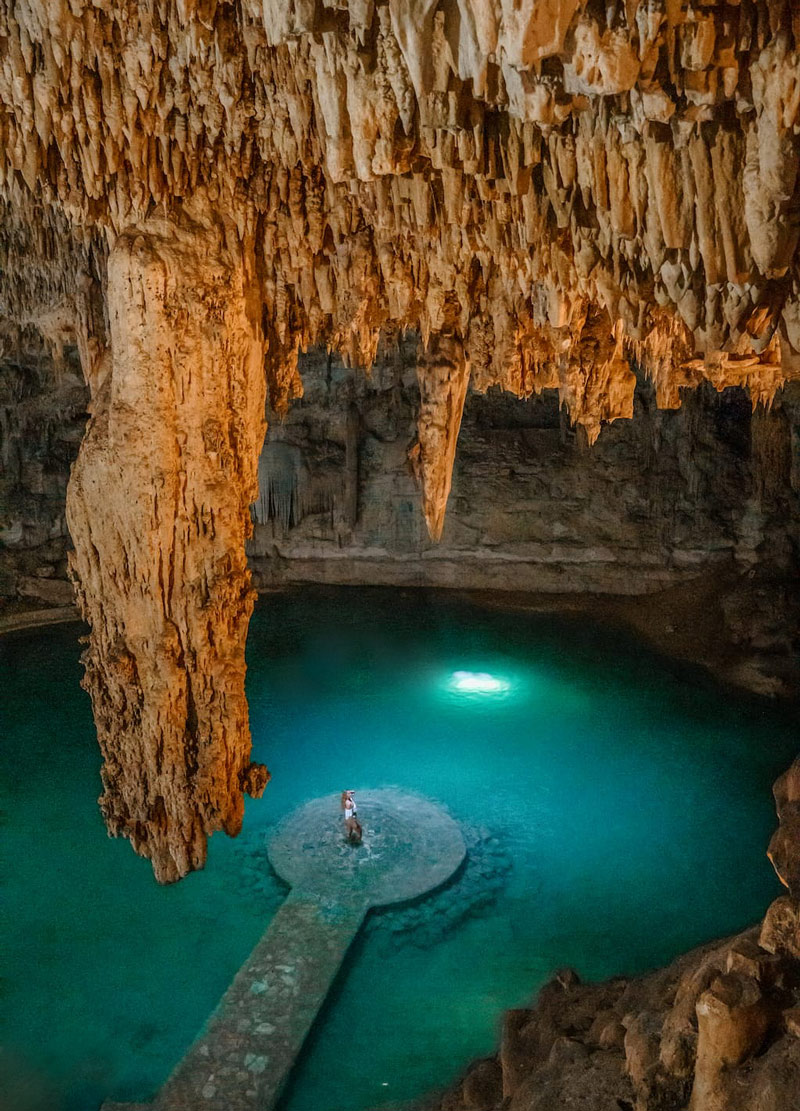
{"x": 410, "y": 847}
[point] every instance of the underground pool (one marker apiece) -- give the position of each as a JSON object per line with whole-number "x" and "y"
{"x": 615, "y": 808}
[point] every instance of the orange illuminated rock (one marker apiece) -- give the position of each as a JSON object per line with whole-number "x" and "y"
{"x": 733, "y": 1017}
{"x": 158, "y": 511}
{"x": 583, "y": 190}
{"x": 443, "y": 374}
{"x": 783, "y": 848}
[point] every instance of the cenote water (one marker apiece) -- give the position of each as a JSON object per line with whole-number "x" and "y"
{"x": 618, "y": 807}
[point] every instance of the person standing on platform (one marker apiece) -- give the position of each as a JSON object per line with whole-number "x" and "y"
{"x": 351, "y": 823}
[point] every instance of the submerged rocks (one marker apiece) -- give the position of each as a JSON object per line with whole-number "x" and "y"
{"x": 423, "y": 923}
{"x": 471, "y": 893}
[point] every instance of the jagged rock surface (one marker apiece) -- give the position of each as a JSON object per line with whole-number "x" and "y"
{"x": 42, "y": 419}
{"x": 697, "y": 508}
{"x": 578, "y": 180}
{"x": 158, "y": 508}
{"x": 718, "y": 1030}
{"x": 443, "y": 374}
{"x": 700, "y": 502}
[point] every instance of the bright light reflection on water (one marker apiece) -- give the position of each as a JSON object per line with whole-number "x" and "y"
{"x": 477, "y": 682}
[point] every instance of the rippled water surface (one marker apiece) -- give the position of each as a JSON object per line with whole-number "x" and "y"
{"x": 630, "y": 798}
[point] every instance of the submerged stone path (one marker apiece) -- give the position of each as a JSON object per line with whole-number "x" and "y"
{"x": 242, "y": 1059}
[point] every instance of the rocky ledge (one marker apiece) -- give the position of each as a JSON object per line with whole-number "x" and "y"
{"x": 717, "y": 1030}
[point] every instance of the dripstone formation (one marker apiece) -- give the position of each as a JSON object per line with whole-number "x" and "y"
{"x": 181, "y": 408}
{"x": 194, "y": 192}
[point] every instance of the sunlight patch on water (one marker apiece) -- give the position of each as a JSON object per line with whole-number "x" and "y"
{"x": 478, "y": 682}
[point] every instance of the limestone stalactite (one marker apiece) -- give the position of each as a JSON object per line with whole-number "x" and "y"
{"x": 158, "y": 510}
{"x": 443, "y": 374}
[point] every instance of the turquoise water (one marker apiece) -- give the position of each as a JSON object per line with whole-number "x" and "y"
{"x": 631, "y": 796}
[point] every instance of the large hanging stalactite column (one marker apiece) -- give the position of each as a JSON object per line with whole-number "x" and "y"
{"x": 158, "y": 508}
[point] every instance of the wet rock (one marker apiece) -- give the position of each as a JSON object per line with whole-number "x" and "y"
{"x": 49, "y": 591}
{"x": 567, "y": 978}
{"x": 749, "y": 958}
{"x": 607, "y": 1032}
{"x": 791, "y": 1021}
{"x": 519, "y": 1043}
{"x": 471, "y": 893}
{"x": 642, "y": 1045}
{"x": 565, "y": 1052}
{"x": 482, "y": 1088}
{"x": 733, "y": 1019}
{"x": 783, "y": 847}
{"x": 780, "y": 930}
{"x": 693, "y": 1034}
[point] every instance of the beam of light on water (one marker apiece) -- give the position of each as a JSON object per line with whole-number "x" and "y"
{"x": 478, "y": 682}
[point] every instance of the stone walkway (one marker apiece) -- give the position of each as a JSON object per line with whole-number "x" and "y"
{"x": 242, "y": 1059}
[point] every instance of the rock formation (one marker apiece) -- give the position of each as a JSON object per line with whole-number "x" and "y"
{"x": 158, "y": 508}
{"x": 42, "y": 417}
{"x": 443, "y": 374}
{"x": 783, "y": 848}
{"x": 546, "y": 190}
{"x": 576, "y": 181}
{"x": 718, "y": 1030}
{"x": 683, "y": 523}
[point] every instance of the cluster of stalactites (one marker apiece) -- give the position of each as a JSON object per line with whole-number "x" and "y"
{"x": 586, "y": 182}
{"x": 52, "y": 278}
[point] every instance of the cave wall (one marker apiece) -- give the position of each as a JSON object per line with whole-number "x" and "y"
{"x": 658, "y": 499}
{"x": 701, "y": 498}
{"x": 43, "y": 413}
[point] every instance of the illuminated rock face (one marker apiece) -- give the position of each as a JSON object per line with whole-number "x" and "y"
{"x": 578, "y": 181}
{"x": 783, "y": 848}
{"x": 717, "y": 1030}
{"x": 443, "y": 374}
{"x": 158, "y": 511}
{"x": 544, "y": 189}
